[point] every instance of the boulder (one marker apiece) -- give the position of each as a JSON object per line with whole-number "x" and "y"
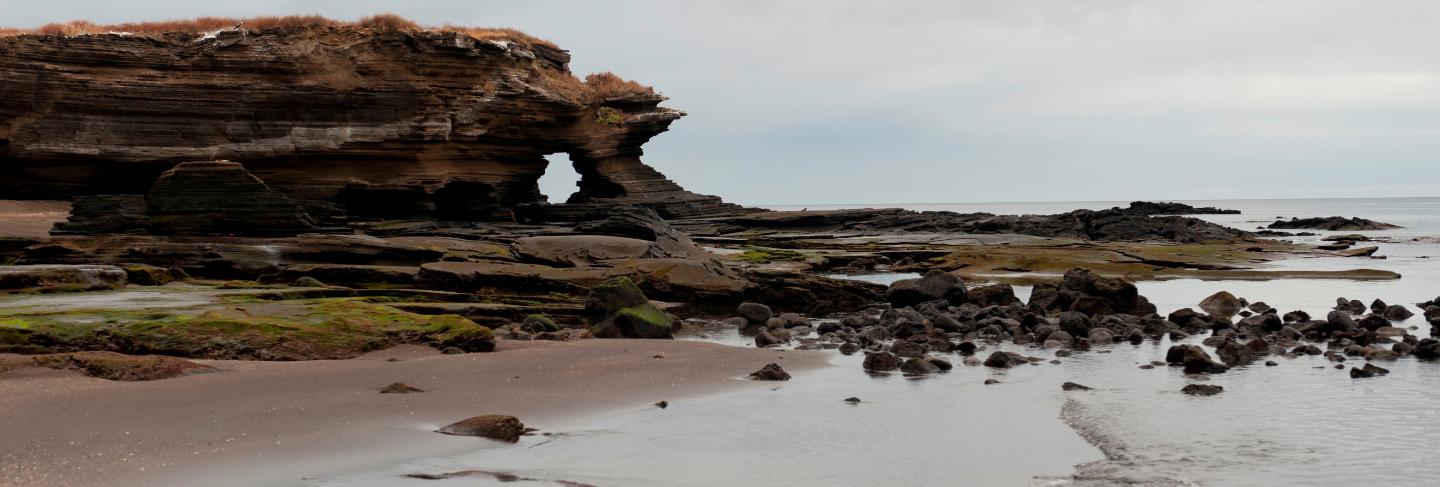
{"x": 765, "y": 339}
{"x": 1396, "y": 312}
{"x": 492, "y": 426}
{"x": 934, "y": 285}
{"x": 908, "y": 349}
{"x": 1005, "y": 360}
{"x": 755, "y": 313}
{"x": 1339, "y": 322}
{"x": 1194, "y": 359}
{"x": 538, "y": 323}
{"x": 618, "y": 309}
{"x": 881, "y": 361}
{"x": 918, "y": 365}
{"x": 1221, "y": 304}
{"x": 993, "y": 295}
{"x": 1202, "y": 389}
{"x": 1369, "y": 370}
{"x": 770, "y": 372}
{"x": 1097, "y": 295}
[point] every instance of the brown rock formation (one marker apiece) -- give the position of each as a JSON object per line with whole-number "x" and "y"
{"x": 351, "y": 122}
{"x": 193, "y": 198}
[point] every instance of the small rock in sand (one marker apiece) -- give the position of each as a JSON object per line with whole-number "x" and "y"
{"x": 1202, "y": 389}
{"x": 400, "y": 388}
{"x": 493, "y": 426}
{"x": 662, "y": 404}
{"x": 770, "y": 372}
{"x": 852, "y": 400}
{"x": 1071, "y": 386}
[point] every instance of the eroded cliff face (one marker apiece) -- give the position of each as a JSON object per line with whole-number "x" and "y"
{"x": 352, "y": 123}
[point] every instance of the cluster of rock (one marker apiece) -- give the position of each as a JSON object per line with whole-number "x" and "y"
{"x": 938, "y": 315}
{"x": 1332, "y": 223}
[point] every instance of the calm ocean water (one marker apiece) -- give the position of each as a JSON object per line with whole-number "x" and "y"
{"x": 1299, "y": 423}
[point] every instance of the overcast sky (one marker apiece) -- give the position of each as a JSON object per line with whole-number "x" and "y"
{"x": 829, "y": 101}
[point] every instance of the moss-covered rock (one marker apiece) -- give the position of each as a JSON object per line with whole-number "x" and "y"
{"x": 307, "y": 330}
{"x": 149, "y": 275}
{"x": 538, "y": 323}
{"x": 618, "y": 309}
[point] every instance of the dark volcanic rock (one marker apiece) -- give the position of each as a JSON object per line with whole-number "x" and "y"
{"x": 1194, "y": 359}
{"x": 1150, "y": 208}
{"x": 1369, "y": 370}
{"x": 1005, "y": 360}
{"x": 919, "y": 365}
{"x": 1333, "y": 223}
{"x": 1202, "y": 389}
{"x": 935, "y": 285}
{"x": 1087, "y": 292}
{"x": 1071, "y": 386}
{"x": 770, "y": 372}
{"x": 1221, "y": 304}
{"x": 754, "y": 313}
{"x": 1113, "y": 224}
{"x": 998, "y": 294}
{"x": 881, "y": 361}
{"x": 493, "y": 426}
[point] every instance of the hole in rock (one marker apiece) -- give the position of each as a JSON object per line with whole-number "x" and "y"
{"x": 560, "y": 179}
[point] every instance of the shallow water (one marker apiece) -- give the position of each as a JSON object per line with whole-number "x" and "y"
{"x": 947, "y": 429}
{"x": 1301, "y": 422}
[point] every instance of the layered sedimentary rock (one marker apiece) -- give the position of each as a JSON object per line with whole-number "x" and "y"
{"x": 193, "y": 198}
{"x": 352, "y": 123}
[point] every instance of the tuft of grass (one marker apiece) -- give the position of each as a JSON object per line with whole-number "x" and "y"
{"x": 609, "y": 116}
{"x": 384, "y": 22}
{"x": 606, "y": 85}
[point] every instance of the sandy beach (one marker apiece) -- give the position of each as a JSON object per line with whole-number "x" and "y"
{"x": 308, "y": 418}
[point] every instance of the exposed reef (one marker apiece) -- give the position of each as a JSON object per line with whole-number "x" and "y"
{"x": 1333, "y": 223}
{"x": 1115, "y": 224}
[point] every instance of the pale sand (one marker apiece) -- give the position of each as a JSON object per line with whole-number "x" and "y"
{"x": 259, "y": 422}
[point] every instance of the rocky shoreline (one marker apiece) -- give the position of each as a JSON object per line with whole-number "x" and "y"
{"x": 937, "y": 316}
{"x": 395, "y": 207}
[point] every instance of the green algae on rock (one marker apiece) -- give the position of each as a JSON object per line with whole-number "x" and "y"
{"x": 618, "y": 309}
{"x": 289, "y": 330}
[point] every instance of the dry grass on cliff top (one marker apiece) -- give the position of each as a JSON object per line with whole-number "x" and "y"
{"x": 595, "y": 88}
{"x": 381, "y": 22}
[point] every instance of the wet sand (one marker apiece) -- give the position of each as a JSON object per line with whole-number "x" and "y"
{"x": 264, "y": 422}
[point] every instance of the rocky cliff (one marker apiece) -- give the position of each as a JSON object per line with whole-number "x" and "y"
{"x": 352, "y": 122}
